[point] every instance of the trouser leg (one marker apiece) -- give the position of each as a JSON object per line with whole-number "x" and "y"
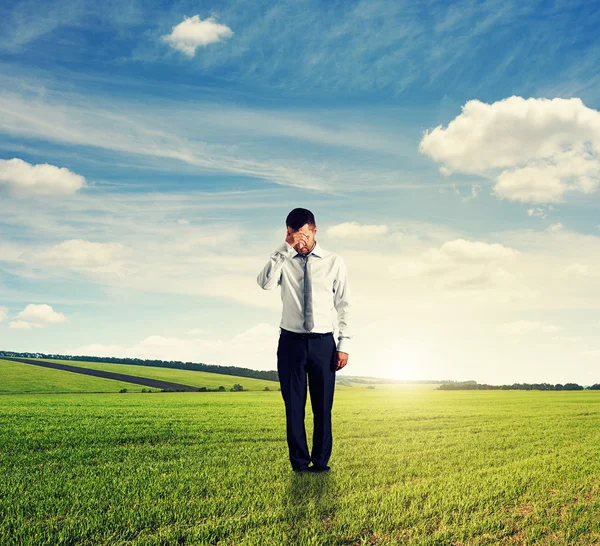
{"x": 291, "y": 368}
{"x": 321, "y": 364}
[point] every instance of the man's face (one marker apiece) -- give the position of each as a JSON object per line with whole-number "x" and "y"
{"x": 310, "y": 235}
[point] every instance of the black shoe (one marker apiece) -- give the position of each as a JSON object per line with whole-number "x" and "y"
{"x": 318, "y": 468}
{"x": 305, "y": 469}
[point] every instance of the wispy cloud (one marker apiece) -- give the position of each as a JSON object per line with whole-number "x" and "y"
{"x": 82, "y": 255}
{"x": 356, "y": 229}
{"x": 120, "y": 132}
{"x": 27, "y": 21}
{"x": 522, "y": 327}
{"x": 211, "y": 138}
{"x": 388, "y": 47}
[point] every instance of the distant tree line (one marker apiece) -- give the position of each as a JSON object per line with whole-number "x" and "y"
{"x": 177, "y": 364}
{"x": 473, "y": 385}
{"x": 236, "y": 388}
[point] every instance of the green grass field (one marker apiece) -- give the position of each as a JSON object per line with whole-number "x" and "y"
{"x": 409, "y": 466}
{"x": 186, "y": 377}
{"x": 17, "y": 377}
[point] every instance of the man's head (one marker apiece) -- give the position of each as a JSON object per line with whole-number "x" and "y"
{"x": 302, "y": 220}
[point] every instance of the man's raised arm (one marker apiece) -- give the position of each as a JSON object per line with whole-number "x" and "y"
{"x": 270, "y": 276}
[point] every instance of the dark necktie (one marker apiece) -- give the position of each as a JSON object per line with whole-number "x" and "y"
{"x": 308, "y": 308}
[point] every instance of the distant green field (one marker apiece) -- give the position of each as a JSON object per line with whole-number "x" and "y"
{"x": 16, "y": 377}
{"x": 414, "y": 467}
{"x": 186, "y": 377}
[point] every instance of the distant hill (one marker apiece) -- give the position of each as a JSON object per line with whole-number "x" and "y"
{"x": 19, "y": 378}
{"x": 176, "y": 364}
{"x": 31, "y": 376}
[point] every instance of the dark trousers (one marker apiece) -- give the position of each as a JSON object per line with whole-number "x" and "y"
{"x": 299, "y": 356}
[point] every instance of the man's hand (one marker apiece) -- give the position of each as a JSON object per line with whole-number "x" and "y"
{"x": 342, "y": 360}
{"x": 296, "y": 238}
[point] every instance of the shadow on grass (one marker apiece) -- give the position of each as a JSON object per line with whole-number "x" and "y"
{"x": 310, "y": 503}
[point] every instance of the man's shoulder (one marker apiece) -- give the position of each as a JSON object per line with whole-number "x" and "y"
{"x": 329, "y": 254}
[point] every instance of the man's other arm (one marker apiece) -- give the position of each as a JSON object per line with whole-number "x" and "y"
{"x": 341, "y": 301}
{"x": 270, "y": 276}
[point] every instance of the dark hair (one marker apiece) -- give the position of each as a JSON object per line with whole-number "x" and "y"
{"x": 298, "y": 217}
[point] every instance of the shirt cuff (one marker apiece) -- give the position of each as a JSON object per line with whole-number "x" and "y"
{"x": 286, "y": 249}
{"x": 343, "y": 346}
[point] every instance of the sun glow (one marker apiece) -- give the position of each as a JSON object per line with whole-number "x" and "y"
{"x": 404, "y": 360}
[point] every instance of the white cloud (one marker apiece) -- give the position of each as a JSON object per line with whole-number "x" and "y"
{"x": 20, "y": 325}
{"x": 537, "y": 211}
{"x": 37, "y": 316}
{"x": 355, "y": 229}
{"x": 475, "y": 191}
{"x": 520, "y": 327}
{"x": 451, "y": 255}
{"x": 476, "y": 251}
{"x": 582, "y": 271}
{"x": 546, "y": 183}
{"x": 460, "y": 267}
{"x": 555, "y": 228}
{"x": 82, "y": 254}
{"x": 3, "y": 313}
{"x": 536, "y": 149}
{"x": 194, "y": 32}
{"x": 23, "y": 179}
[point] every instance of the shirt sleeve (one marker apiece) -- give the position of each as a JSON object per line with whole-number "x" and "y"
{"x": 341, "y": 300}
{"x": 270, "y": 276}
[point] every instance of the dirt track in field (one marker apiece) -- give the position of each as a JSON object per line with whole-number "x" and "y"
{"x": 154, "y": 383}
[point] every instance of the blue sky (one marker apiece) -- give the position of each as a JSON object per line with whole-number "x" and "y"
{"x": 150, "y": 153}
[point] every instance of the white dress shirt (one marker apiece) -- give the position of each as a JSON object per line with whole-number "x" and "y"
{"x": 330, "y": 290}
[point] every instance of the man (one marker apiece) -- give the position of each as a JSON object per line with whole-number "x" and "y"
{"x": 313, "y": 282}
